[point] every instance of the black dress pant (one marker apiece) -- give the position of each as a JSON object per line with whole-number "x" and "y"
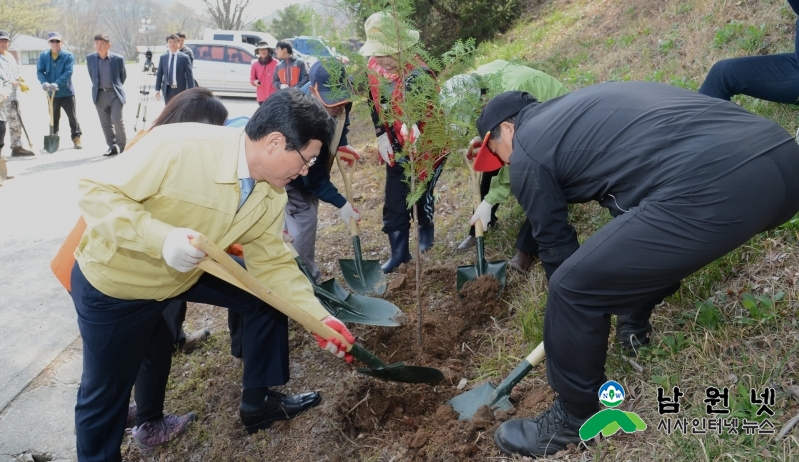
{"x": 68, "y": 104}
{"x": 123, "y": 339}
{"x": 396, "y": 213}
{"x": 638, "y": 258}
{"x": 2, "y": 135}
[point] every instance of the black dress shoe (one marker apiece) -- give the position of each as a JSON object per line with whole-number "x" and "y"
{"x": 633, "y": 330}
{"x": 112, "y": 150}
{"x": 550, "y": 432}
{"x": 276, "y": 406}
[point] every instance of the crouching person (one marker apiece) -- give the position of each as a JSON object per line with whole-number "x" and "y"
{"x": 135, "y": 258}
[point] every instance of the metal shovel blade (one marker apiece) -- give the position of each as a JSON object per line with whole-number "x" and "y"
{"x": 396, "y": 372}
{"x": 361, "y": 309}
{"x": 51, "y": 142}
{"x": 466, "y": 404}
{"x": 467, "y": 273}
{"x": 363, "y": 276}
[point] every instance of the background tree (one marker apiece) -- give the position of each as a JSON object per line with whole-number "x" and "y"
{"x": 291, "y": 22}
{"x": 121, "y": 22}
{"x": 227, "y": 14}
{"x": 81, "y": 22}
{"x": 180, "y": 18}
{"x": 25, "y": 16}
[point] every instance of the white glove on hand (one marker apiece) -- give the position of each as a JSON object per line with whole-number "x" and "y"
{"x": 414, "y": 133}
{"x": 483, "y": 213}
{"x": 287, "y": 237}
{"x": 347, "y": 212}
{"x": 283, "y": 86}
{"x": 178, "y": 251}
{"x": 385, "y": 150}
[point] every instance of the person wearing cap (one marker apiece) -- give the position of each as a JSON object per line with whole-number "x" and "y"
{"x": 183, "y": 48}
{"x": 394, "y": 70}
{"x": 107, "y": 73}
{"x": 262, "y": 72}
{"x": 331, "y": 88}
{"x": 461, "y": 96}
{"x": 687, "y": 178}
{"x": 13, "y": 115}
{"x": 54, "y": 70}
{"x": 291, "y": 72}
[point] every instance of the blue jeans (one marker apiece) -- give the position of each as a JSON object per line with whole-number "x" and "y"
{"x": 770, "y": 77}
{"x": 121, "y": 335}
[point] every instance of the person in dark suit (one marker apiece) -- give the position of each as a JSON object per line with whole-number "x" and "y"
{"x": 107, "y": 71}
{"x": 174, "y": 71}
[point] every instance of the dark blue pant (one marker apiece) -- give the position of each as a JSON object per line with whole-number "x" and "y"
{"x": 769, "y": 77}
{"x": 121, "y": 335}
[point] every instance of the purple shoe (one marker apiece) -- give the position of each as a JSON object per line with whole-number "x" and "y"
{"x": 150, "y": 435}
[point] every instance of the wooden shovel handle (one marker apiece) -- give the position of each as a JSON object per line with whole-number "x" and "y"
{"x": 476, "y": 199}
{"x": 239, "y": 277}
{"x": 348, "y": 185}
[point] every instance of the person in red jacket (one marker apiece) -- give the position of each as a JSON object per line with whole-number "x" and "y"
{"x": 262, "y": 72}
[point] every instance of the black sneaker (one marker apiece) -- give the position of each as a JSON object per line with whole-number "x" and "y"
{"x": 546, "y": 434}
{"x": 276, "y": 406}
{"x": 112, "y": 150}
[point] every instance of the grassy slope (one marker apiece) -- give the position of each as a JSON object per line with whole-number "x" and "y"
{"x": 706, "y": 334}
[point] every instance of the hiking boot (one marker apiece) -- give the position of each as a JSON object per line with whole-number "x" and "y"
{"x": 274, "y": 407}
{"x": 194, "y": 340}
{"x": 521, "y": 262}
{"x": 399, "y": 250}
{"x": 76, "y": 140}
{"x": 19, "y": 151}
{"x": 426, "y": 237}
{"x": 467, "y": 243}
{"x": 150, "y": 435}
{"x": 131, "y": 421}
{"x": 550, "y": 432}
{"x": 633, "y": 330}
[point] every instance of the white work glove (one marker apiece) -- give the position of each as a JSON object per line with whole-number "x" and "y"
{"x": 283, "y": 86}
{"x": 414, "y": 133}
{"x": 474, "y": 147}
{"x": 178, "y": 251}
{"x": 46, "y": 86}
{"x": 287, "y": 237}
{"x": 385, "y": 150}
{"x": 348, "y": 211}
{"x": 482, "y": 213}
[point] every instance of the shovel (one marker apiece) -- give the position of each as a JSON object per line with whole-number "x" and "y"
{"x": 363, "y": 276}
{"x": 347, "y": 307}
{"x": 51, "y": 140}
{"x": 221, "y": 265}
{"x": 466, "y": 404}
{"x": 498, "y": 269}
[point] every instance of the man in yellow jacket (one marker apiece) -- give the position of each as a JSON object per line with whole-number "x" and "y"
{"x": 135, "y": 257}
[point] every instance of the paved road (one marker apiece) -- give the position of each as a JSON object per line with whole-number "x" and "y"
{"x": 37, "y": 319}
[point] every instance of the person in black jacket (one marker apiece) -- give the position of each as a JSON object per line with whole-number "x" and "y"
{"x": 687, "y": 178}
{"x": 304, "y": 192}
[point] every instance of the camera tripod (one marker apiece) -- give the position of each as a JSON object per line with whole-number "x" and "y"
{"x": 144, "y": 91}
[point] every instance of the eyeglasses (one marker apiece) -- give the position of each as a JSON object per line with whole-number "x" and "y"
{"x": 308, "y": 163}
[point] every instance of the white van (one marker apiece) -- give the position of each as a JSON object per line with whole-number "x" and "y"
{"x": 238, "y": 36}
{"x": 223, "y": 65}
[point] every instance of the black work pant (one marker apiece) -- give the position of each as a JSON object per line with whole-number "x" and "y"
{"x": 119, "y": 336}
{"x": 396, "y": 213}
{"x": 634, "y": 261}
{"x": 769, "y": 77}
{"x": 68, "y": 104}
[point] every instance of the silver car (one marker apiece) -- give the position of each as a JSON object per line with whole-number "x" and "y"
{"x": 223, "y": 66}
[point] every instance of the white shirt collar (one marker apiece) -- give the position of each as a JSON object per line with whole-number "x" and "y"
{"x": 243, "y": 170}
